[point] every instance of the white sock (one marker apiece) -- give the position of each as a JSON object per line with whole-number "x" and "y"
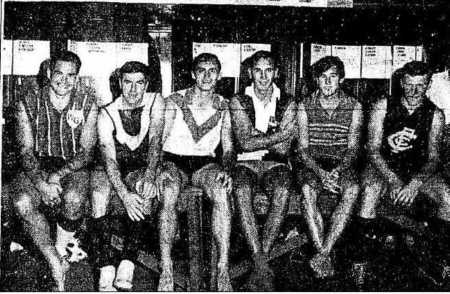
{"x": 62, "y": 239}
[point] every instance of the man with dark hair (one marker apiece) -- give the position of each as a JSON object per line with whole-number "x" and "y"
{"x": 405, "y": 137}
{"x": 264, "y": 122}
{"x": 328, "y": 145}
{"x": 130, "y": 132}
{"x": 197, "y": 120}
{"x": 56, "y": 135}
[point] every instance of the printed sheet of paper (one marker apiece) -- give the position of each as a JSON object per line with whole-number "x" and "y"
{"x": 23, "y": 57}
{"x": 351, "y": 57}
{"x": 318, "y": 51}
{"x": 402, "y": 55}
{"x": 228, "y": 54}
{"x": 376, "y": 62}
{"x": 248, "y": 50}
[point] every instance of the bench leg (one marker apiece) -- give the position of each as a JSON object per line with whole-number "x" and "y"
{"x": 195, "y": 242}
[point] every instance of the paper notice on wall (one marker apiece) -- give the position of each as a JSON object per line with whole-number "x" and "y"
{"x": 248, "y": 50}
{"x": 351, "y": 57}
{"x": 376, "y": 62}
{"x": 318, "y": 51}
{"x": 23, "y": 57}
{"x": 403, "y": 55}
{"x": 228, "y": 54}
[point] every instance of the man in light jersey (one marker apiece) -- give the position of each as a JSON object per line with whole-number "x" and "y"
{"x": 330, "y": 124}
{"x": 197, "y": 121}
{"x": 56, "y": 135}
{"x": 130, "y": 131}
{"x": 264, "y": 123}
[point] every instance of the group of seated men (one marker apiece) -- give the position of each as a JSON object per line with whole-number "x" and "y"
{"x": 152, "y": 147}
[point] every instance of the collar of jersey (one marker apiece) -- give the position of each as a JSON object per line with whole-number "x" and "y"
{"x": 250, "y": 91}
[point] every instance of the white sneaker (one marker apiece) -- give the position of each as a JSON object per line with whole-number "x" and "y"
{"x": 124, "y": 275}
{"x": 68, "y": 246}
{"x": 107, "y": 275}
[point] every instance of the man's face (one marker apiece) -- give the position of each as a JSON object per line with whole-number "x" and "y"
{"x": 263, "y": 74}
{"x": 414, "y": 88}
{"x": 329, "y": 82}
{"x": 133, "y": 87}
{"x": 63, "y": 77}
{"x": 206, "y": 75}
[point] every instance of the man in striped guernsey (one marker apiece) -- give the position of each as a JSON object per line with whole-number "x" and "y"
{"x": 197, "y": 120}
{"x": 130, "y": 132}
{"x": 264, "y": 122}
{"x": 328, "y": 145}
{"x": 56, "y": 134}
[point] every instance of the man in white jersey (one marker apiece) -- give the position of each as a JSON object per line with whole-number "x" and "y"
{"x": 197, "y": 120}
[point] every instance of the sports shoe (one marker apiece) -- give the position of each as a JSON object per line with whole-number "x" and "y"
{"x": 107, "y": 275}
{"x": 124, "y": 275}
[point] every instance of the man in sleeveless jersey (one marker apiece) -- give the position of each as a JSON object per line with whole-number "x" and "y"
{"x": 405, "y": 138}
{"x": 130, "y": 131}
{"x": 264, "y": 122}
{"x": 328, "y": 146}
{"x": 197, "y": 120}
{"x": 56, "y": 134}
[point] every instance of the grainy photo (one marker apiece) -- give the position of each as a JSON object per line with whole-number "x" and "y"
{"x": 231, "y": 146}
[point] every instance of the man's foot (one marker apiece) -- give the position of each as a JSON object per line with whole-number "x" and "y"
{"x": 107, "y": 276}
{"x": 124, "y": 275}
{"x": 166, "y": 282}
{"x": 223, "y": 281}
{"x": 261, "y": 280}
{"x": 322, "y": 265}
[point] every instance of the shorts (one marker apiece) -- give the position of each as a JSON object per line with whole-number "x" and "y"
{"x": 260, "y": 167}
{"x": 308, "y": 176}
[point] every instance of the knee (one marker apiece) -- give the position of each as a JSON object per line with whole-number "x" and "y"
{"x": 309, "y": 193}
{"x": 73, "y": 205}
{"x": 170, "y": 193}
{"x": 24, "y": 206}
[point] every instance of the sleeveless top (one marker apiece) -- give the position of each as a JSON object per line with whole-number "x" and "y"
{"x": 328, "y": 136}
{"x": 192, "y": 135}
{"x": 57, "y": 134}
{"x": 405, "y": 137}
{"x": 131, "y": 128}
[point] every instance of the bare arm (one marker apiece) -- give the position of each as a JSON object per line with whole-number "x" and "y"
{"x": 376, "y": 130}
{"x": 88, "y": 139}
{"x": 155, "y": 137}
{"x": 169, "y": 118}
{"x": 303, "y": 143}
{"x": 434, "y": 148}
{"x": 228, "y": 158}
{"x": 354, "y": 140}
{"x": 24, "y": 135}
{"x": 250, "y": 139}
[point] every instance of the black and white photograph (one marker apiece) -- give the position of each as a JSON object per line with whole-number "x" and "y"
{"x": 225, "y": 146}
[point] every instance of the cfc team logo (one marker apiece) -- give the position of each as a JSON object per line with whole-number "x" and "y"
{"x": 401, "y": 141}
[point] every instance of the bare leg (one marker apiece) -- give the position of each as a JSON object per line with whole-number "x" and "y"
{"x": 340, "y": 216}
{"x": 244, "y": 182}
{"x": 167, "y": 228}
{"x": 313, "y": 216}
{"x": 221, "y": 221}
{"x": 277, "y": 184}
{"x": 37, "y": 227}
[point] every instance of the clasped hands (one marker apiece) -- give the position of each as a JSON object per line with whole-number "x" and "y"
{"x": 403, "y": 194}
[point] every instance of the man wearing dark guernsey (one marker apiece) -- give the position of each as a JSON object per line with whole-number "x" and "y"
{"x": 405, "y": 138}
{"x": 328, "y": 145}
{"x": 56, "y": 135}
{"x": 197, "y": 120}
{"x": 264, "y": 122}
{"x": 130, "y": 132}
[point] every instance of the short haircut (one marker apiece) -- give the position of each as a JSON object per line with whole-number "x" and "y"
{"x": 67, "y": 56}
{"x": 327, "y": 62}
{"x": 416, "y": 68}
{"x": 258, "y": 55}
{"x": 134, "y": 67}
{"x": 206, "y": 57}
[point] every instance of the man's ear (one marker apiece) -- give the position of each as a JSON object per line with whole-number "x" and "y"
{"x": 276, "y": 73}
{"x": 250, "y": 74}
{"x": 120, "y": 84}
{"x": 193, "y": 75}
{"x": 341, "y": 81}
{"x": 219, "y": 77}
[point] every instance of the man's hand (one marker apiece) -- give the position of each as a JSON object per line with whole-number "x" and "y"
{"x": 54, "y": 178}
{"x": 407, "y": 195}
{"x": 51, "y": 194}
{"x": 226, "y": 181}
{"x": 395, "y": 185}
{"x": 288, "y": 128}
{"x": 133, "y": 204}
{"x": 330, "y": 181}
{"x": 146, "y": 188}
